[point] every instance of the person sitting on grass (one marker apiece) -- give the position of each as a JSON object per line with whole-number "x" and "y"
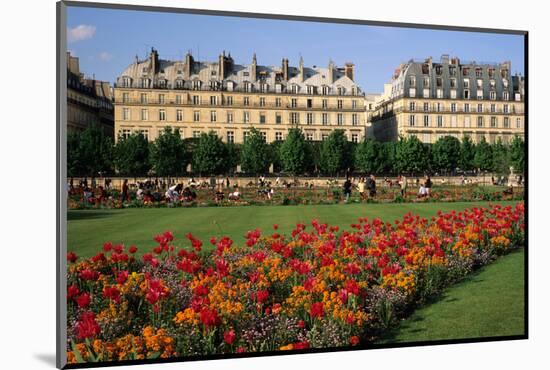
{"x": 218, "y": 196}
{"x": 235, "y": 195}
{"x": 188, "y": 194}
{"x": 428, "y": 185}
{"x": 173, "y": 192}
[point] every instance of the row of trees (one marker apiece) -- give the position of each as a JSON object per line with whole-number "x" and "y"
{"x": 92, "y": 152}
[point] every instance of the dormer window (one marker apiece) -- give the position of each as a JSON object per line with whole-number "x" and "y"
{"x": 325, "y": 90}
{"x": 505, "y": 82}
{"x": 491, "y": 72}
{"x": 412, "y": 81}
{"x": 126, "y": 81}
{"x": 310, "y": 89}
{"x": 246, "y": 73}
{"x": 452, "y": 70}
{"x": 230, "y": 85}
{"x": 264, "y": 87}
{"x": 492, "y": 84}
{"x": 162, "y": 84}
{"x": 178, "y": 84}
{"x": 426, "y": 82}
{"x": 425, "y": 69}
{"x": 145, "y": 70}
{"x": 247, "y": 86}
{"x": 341, "y": 90}
{"x": 196, "y": 85}
{"x": 479, "y": 72}
{"x": 438, "y": 70}
{"x": 144, "y": 83}
{"x": 179, "y": 71}
{"x": 294, "y": 89}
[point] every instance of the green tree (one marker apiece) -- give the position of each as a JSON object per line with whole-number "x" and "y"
{"x": 294, "y": 152}
{"x": 483, "y": 159}
{"x": 132, "y": 155}
{"x": 210, "y": 155}
{"x": 501, "y": 158}
{"x": 446, "y": 153}
{"x": 411, "y": 155}
{"x": 90, "y": 152}
{"x": 387, "y": 160}
{"x": 368, "y": 156}
{"x": 255, "y": 153}
{"x": 168, "y": 154}
{"x": 517, "y": 154}
{"x": 335, "y": 153}
{"x": 233, "y": 156}
{"x": 467, "y": 154}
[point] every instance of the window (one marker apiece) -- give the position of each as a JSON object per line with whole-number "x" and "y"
{"x": 310, "y": 90}
{"x": 354, "y": 104}
{"x": 229, "y": 100}
{"x": 278, "y": 118}
{"x": 213, "y": 116}
{"x": 179, "y": 115}
{"x": 263, "y": 87}
{"x": 452, "y": 70}
{"x": 162, "y": 84}
{"x": 467, "y": 121}
{"x": 125, "y": 97}
{"x": 480, "y": 108}
{"x": 439, "y": 107}
{"x": 324, "y": 137}
{"x": 278, "y": 136}
{"x": 479, "y": 83}
{"x": 324, "y": 119}
{"x": 277, "y": 102}
{"x": 262, "y": 118}
{"x": 439, "y": 93}
{"x": 412, "y": 80}
{"x": 426, "y": 120}
{"x": 309, "y": 103}
{"x": 324, "y": 103}
{"x": 411, "y": 120}
{"x": 196, "y": 100}
{"x": 354, "y": 119}
{"x": 309, "y": 136}
{"x": 294, "y": 118}
{"x": 213, "y": 100}
{"x": 452, "y": 82}
{"x": 278, "y": 88}
{"x": 245, "y": 135}
{"x": 426, "y": 93}
{"x": 125, "y": 114}
{"x": 179, "y": 84}
{"x": 492, "y": 95}
{"x": 246, "y": 85}
{"x": 493, "y": 122}
{"x": 465, "y": 71}
{"x": 439, "y": 121}
{"x": 466, "y": 83}
{"x": 453, "y": 94}
{"x": 518, "y": 122}
{"x": 293, "y": 102}
{"x": 246, "y": 100}
{"x": 340, "y": 103}
{"x": 196, "y": 116}
{"x": 412, "y": 106}
{"x": 145, "y": 133}
{"x": 505, "y": 95}
{"x": 230, "y": 137}
{"x": 340, "y": 119}
{"x": 506, "y": 122}
{"x": 426, "y": 107}
{"x": 354, "y": 138}
{"x": 264, "y": 136}
{"x": 479, "y": 94}
{"x": 126, "y": 82}
{"x": 325, "y": 90}
{"x": 144, "y": 114}
{"x": 230, "y": 86}
{"x": 309, "y": 118}
{"x": 453, "y": 107}
{"x": 246, "y": 117}
{"x": 426, "y": 82}
{"x": 161, "y": 98}
{"x": 125, "y": 133}
{"x": 480, "y": 121}
{"x": 196, "y": 134}
{"x": 466, "y": 94}
{"x": 294, "y": 89}
{"x": 178, "y": 99}
{"x": 453, "y": 121}
{"x": 144, "y": 83}
{"x": 467, "y": 108}
{"x": 143, "y": 98}
{"x": 505, "y": 108}
{"x": 493, "y": 108}
{"x": 162, "y": 115}
{"x": 412, "y": 92}
{"x": 229, "y": 117}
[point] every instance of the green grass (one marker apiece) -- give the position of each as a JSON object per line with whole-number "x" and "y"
{"x": 489, "y": 303}
{"x": 89, "y": 229}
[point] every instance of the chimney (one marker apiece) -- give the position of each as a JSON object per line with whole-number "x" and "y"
{"x": 154, "y": 61}
{"x": 221, "y": 66}
{"x": 302, "y": 76}
{"x": 349, "y": 70}
{"x": 285, "y": 69}
{"x": 253, "y": 68}
{"x": 189, "y": 62}
{"x": 330, "y": 72}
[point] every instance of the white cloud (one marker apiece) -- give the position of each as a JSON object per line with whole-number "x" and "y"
{"x": 105, "y": 56}
{"x": 80, "y": 32}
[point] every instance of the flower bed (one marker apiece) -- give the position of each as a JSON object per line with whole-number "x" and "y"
{"x": 318, "y": 287}
{"x": 306, "y": 196}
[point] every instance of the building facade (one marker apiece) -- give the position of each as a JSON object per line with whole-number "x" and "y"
{"x": 451, "y": 98}
{"x": 230, "y": 99}
{"x": 89, "y": 102}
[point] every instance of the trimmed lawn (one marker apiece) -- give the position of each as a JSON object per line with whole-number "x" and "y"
{"x": 488, "y": 303}
{"x": 89, "y": 229}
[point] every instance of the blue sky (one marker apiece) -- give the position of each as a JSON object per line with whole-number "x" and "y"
{"x": 107, "y": 41}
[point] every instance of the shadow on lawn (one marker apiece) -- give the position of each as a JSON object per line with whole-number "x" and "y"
{"x": 87, "y": 215}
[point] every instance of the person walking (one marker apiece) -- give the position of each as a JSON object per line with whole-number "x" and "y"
{"x": 347, "y": 189}
{"x": 372, "y": 186}
{"x": 403, "y": 185}
{"x": 361, "y": 187}
{"x": 125, "y": 190}
{"x": 428, "y": 185}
